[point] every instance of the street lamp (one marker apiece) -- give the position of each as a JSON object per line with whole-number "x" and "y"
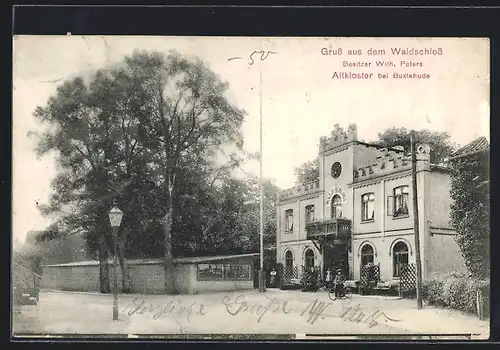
{"x": 115, "y": 217}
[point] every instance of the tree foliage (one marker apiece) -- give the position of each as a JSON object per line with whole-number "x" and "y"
{"x": 156, "y": 136}
{"x": 307, "y": 172}
{"x": 470, "y": 211}
{"x": 439, "y": 142}
{"x": 43, "y": 250}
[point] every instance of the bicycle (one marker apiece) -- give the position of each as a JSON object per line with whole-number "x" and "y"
{"x": 346, "y": 294}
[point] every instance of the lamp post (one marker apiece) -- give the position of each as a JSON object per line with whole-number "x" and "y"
{"x": 115, "y": 217}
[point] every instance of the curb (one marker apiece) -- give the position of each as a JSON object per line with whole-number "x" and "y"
{"x": 71, "y": 292}
{"x": 357, "y": 296}
{"x": 89, "y": 293}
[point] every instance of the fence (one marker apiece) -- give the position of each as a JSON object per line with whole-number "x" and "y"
{"x": 407, "y": 279}
{"x": 289, "y": 273}
{"x": 369, "y": 274}
{"x": 369, "y": 277}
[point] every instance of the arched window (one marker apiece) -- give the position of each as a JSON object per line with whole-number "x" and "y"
{"x": 288, "y": 259}
{"x": 309, "y": 257}
{"x": 366, "y": 254}
{"x": 400, "y": 257}
{"x": 336, "y": 207}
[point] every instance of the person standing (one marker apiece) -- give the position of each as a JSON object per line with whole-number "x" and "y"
{"x": 328, "y": 278}
{"x": 273, "y": 278}
{"x": 339, "y": 283}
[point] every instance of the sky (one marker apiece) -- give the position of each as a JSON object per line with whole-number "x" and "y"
{"x": 300, "y": 100}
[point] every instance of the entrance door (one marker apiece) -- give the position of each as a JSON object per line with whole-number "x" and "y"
{"x": 309, "y": 259}
{"x": 341, "y": 259}
{"x": 336, "y": 257}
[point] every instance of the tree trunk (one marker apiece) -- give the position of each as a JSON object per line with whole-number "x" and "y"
{"x": 104, "y": 284}
{"x": 126, "y": 285}
{"x": 168, "y": 263}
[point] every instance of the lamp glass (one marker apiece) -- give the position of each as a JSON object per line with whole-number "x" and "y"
{"x": 115, "y": 217}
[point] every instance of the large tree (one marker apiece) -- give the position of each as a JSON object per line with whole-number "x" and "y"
{"x": 183, "y": 109}
{"x": 470, "y": 211}
{"x": 93, "y": 130}
{"x": 121, "y": 138}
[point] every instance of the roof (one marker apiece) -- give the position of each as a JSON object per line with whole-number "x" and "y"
{"x": 17, "y": 267}
{"x": 478, "y": 145}
{"x": 185, "y": 260}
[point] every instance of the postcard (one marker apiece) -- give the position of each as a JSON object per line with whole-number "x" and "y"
{"x": 250, "y": 187}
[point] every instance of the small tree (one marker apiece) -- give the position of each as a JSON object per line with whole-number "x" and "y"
{"x": 470, "y": 211}
{"x": 307, "y": 172}
{"x": 439, "y": 142}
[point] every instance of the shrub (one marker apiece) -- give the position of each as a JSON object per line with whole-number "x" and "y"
{"x": 456, "y": 291}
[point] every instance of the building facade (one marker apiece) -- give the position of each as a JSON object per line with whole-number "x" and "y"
{"x": 361, "y": 211}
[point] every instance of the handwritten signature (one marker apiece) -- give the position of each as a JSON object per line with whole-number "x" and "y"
{"x": 239, "y": 305}
{"x": 315, "y": 310}
{"x": 354, "y": 314}
{"x": 138, "y": 306}
{"x": 263, "y": 56}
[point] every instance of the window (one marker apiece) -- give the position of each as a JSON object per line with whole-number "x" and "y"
{"x": 401, "y": 201}
{"x": 367, "y": 207}
{"x": 336, "y": 207}
{"x": 288, "y": 259}
{"x": 310, "y": 213}
{"x": 336, "y": 170}
{"x": 309, "y": 257}
{"x": 210, "y": 272}
{"x": 289, "y": 220}
{"x": 367, "y": 255}
{"x": 400, "y": 257}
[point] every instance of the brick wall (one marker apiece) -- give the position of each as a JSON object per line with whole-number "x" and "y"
{"x": 145, "y": 277}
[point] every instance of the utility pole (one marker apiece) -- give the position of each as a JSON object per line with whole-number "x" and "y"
{"x": 262, "y": 281}
{"x": 416, "y": 219}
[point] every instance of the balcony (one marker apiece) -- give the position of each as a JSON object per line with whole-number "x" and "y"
{"x": 338, "y": 229}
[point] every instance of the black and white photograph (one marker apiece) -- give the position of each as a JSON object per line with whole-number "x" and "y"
{"x": 316, "y": 187}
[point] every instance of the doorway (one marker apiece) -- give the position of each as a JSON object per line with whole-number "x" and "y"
{"x": 336, "y": 257}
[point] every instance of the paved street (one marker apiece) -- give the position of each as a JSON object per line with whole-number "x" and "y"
{"x": 276, "y": 311}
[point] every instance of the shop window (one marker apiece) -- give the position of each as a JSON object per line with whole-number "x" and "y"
{"x": 224, "y": 272}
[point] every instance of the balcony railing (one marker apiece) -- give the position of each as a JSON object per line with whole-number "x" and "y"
{"x": 340, "y": 229}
